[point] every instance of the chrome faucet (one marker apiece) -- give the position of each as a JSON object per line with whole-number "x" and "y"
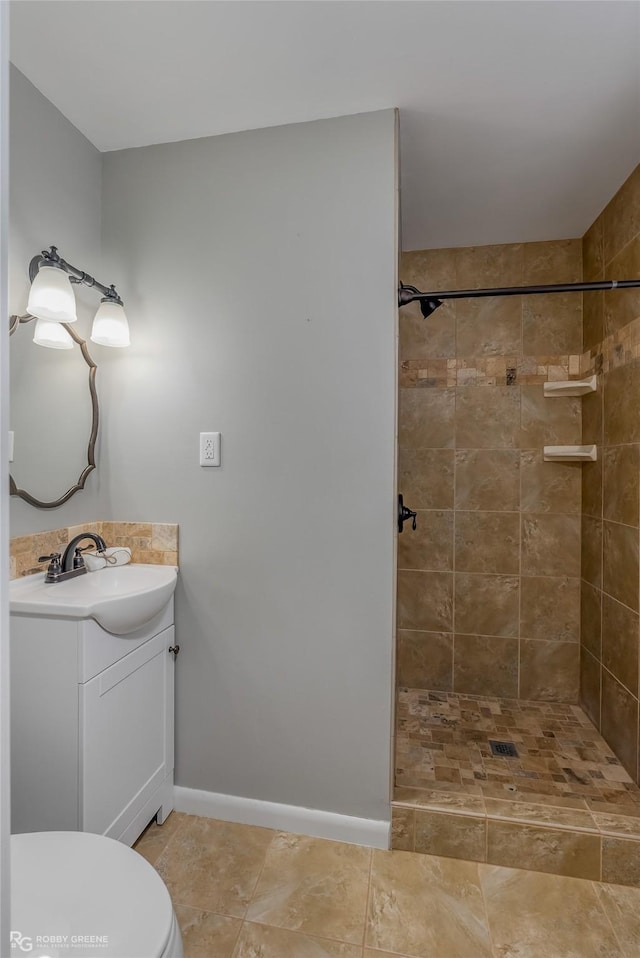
{"x": 71, "y": 563}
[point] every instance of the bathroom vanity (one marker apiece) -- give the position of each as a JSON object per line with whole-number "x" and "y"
{"x": 92, "y": 716}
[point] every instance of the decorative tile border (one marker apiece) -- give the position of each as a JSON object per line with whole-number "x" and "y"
{"x": 488, "y": 371}
{"x": 616, "y": 349}
{"x": 155, "y": 543}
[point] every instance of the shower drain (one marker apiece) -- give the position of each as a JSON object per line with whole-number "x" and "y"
{"x": 504, "y": 749}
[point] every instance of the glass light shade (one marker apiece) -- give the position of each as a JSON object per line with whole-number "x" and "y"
{"x": 110, "y": 326}
{"x": 53, "y": 335}
{"x": 51, "y": 296}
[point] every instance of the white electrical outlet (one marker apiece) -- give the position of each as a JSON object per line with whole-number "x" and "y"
{"x": 209, "y": 448}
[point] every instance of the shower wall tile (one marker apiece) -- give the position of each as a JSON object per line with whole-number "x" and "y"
{"x": 425, "y": 477}
{"x": 622, "y": 217}
{"x": 425, "y": 660}
{"x": 591, "y": 559}
{"x": 620, "y": 563}
{"x": 487, "y": 604}
{"x": 620, "y": 722}
{"x": 491, "y": 327}
{"x": 549, "y": 422}
{"x": 427, "y": 418}
{"x": 487, "y": 417}
{"x": 620, "y": 310}
{"x": 621, "y": 404}
{"x": 620, "y": 634}
{"x": 425, "y": 601}
{"x": 487, "y": 542}
{"x": 550, "y": 608}
{"x": 486, "y": 665}
{"x": 549, "y": 486}
{"x": 430, "y": 546}
{"x": 622, "y": 483}
{"x": 590, "y": 619}
{"x": 488, "y": 480}
{"x": 593, "y": 318}
{"x": 472, "y": 423}
{"x": 593, "y": 254}
{"x": 590, "y": 682}
{"x": 549, "y": 671}
{"x": 592, "y": 484}
{"x": 551, "y": 545}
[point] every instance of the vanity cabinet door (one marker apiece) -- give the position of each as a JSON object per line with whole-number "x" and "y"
{"x": 126, "y": 748}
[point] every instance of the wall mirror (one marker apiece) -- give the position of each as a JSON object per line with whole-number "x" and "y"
{"x": 53, "y": 417}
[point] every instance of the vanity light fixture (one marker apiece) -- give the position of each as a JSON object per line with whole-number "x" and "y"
{"x": 52, "y": 302}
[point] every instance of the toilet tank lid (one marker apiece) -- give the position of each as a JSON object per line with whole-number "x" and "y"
{"x": 66, "y": 885}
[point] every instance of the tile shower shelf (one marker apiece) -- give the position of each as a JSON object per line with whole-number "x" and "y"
{"x": 570, "y": 453}
{"x": 574, "y": 387}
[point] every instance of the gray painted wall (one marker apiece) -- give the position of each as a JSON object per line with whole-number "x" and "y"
{"x": 259, "y": 271}
{"x": 239, "y": 258}
{"x": 54, "y": 199}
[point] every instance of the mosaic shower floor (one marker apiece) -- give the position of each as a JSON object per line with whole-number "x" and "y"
{"x": 564, "y": 805}
{"x": 443, "y": 743}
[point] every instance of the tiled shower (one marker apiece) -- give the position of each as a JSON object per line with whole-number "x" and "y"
{"x": 518, "y": 592}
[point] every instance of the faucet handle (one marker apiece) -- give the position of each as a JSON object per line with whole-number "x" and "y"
{"x": 55, "y": 567}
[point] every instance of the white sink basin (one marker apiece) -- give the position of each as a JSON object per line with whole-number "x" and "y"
{"x": 121, "y": 599}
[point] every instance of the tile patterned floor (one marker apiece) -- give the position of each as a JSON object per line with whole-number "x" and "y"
{"x": 244, "y": 892}
{"x": 443, "y": 741}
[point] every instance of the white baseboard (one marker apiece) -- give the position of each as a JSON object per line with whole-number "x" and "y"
{"x": 288, "y": 818}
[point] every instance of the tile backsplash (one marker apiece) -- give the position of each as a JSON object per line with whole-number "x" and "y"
{"x": 150, "y": 542}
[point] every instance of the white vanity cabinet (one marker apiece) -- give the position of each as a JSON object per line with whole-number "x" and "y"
{"x": 91, "y": 725}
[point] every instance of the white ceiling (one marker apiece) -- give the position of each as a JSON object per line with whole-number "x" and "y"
{"x": 518, "y": 120}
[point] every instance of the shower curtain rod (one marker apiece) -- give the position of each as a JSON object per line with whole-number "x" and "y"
{"x": 430, "y": 301}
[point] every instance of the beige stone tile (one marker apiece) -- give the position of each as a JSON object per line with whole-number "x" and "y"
{"x": 487, "y": 417}
{"x": 205, "y": 934}
{"x": 155, "y": 838}
{"x": 481, "y": 267}
{"x": 592, "y": 486}
{"x": 164, "y": 536}
{"x": 592, "y": 318}
{"x": 429, "y": 270}
{"x": 550, "y": 608}
{"x": 488, "y": 480}
{"x": 621, "y": 404}
{"x": 549, "y": 671}
{"x": 551, "y": 324}
{"x": 370, "y": 953}
{"x": 532, "y": 813}
{"x": 549, "y": 422}
{"x": 620, "y": 722}
{"x": 621, "y": 825}
{"x": 622, "y": 306}
{"x": 430, "y": 338}
{"x": 552, "y": 261}
{"x": 427, "y": 418}
{"x": 549, "y": 486}
{"x": 425, "y": 477}
{"x": 622, "y": 906}
{"x": 485, "y": 665}
{"x": 622, "y": 483}
{"x": 550, "y": 545}
{"x": 142, "y": 529}
{"x": 458, "y": 801}
{"x": 590, "y": 679}
{"x": 214, "y": 866}
{"x": 430, "y": 545}
{"x": 620, "y": 634}
{"x": 422, "y": 906}
{"x": 590, "y": 619}
{"x": 620, "y": 861}
{"x": 543, "y": 849}
{"x": 593, "y": 413}
{"x": 313, "y": 886}
{"x": 403, "y": 826}
{"x": 425, "y": 660}
{"x": 620, "y": 563}
{"x": 487, "y": 542}
{"x": 593, "y": 252}
{"x": 545, "y": 916}
{"x": 591, "y": 551}
{"x": 425, "y": 601}
{"x": 490, "y": 326}
{"x": 486, "y": 604}
{"x": 262, "y": 941}
{"x": 453, "y": 836}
